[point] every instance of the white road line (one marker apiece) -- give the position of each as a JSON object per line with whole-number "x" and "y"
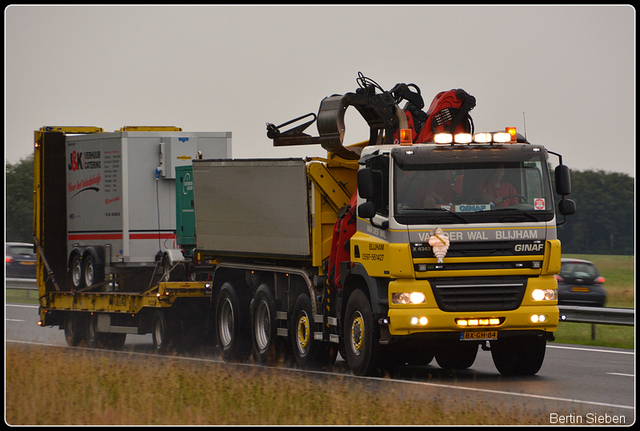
{"x": 14, "y": 320}
{"x": 553, "y": 346}
{"x": 22, "y": 305}
{"x": 621, "y": 374}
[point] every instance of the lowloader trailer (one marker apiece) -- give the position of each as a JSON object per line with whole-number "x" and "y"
{"x": 426, "y": 241}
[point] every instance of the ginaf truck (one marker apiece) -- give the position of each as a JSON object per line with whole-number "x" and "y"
{"x": 428, "y": 240}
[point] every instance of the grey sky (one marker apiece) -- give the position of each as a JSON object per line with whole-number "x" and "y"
{"x": 571, "y": 69}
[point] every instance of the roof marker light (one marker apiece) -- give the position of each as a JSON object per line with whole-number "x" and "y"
{"x": 443, "y": 138}
{"x": 463, "y": 138}
{"x": 501, "y": 137}
{"x": 482, "y": 137}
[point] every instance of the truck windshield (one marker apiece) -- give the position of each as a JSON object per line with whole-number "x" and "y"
{"x": 489, "y": 192}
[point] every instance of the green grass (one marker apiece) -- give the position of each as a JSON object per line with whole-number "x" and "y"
{"x": 21, "y": 296}
{"x": 58, "y": 386}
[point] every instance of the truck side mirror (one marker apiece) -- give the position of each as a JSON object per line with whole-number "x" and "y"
{"x": 567, "y": 207}
{"x": 366, "y": 183}
{"x": 563, "y": 180}
{"x": 367, "y": 210}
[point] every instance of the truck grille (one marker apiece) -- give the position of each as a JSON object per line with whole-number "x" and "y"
{"x": 485, "y": 294}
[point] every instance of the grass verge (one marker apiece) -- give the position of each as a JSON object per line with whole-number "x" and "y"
{"x": 58, "y": 386}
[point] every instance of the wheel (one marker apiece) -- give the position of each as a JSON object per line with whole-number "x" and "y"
{"x": 75, "y": 272}
{"x": 162, "y": 332}
{"x": 91, "y": 274}
{"x": 172, "y": 272}
{"x": 73, "y": 329}
{"x": 231, "y": 327}
{"x": 263, "y": 325}
{"x": 94, "y": 338}
{"x": 457, "y": 356}
{"x": 360, "y": 335}
{"x": 308, "y": 352}
{"x": 518, "y": 356}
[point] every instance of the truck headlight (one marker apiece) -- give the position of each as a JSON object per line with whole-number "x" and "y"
{"x": 408, "y": 298}
{"x": 544, "y": 295}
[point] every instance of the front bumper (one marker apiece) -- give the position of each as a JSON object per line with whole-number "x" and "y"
{"x": 403, "y": 321}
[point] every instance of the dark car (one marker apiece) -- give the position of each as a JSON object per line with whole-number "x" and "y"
{"x": 580, "y": 283}
{"x": 20, "y": 260}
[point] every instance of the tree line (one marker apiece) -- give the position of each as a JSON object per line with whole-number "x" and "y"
{"x": 602, "y": 224}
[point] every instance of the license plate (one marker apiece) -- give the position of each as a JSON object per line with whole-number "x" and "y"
{"x": 580, "y": 289}
{"x": 484, "y": 335}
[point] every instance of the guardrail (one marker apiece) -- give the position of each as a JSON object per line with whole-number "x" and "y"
{"x": 597, "y": 315}
{"x": 27, "y": 284}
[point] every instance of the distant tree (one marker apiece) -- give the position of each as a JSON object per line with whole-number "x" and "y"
{"x": 604, "y": 219}
{"x": 19, "y": 200}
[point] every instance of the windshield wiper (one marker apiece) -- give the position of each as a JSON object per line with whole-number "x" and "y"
{"x": 519, "y": 211}
{"x": 459, "y": 217}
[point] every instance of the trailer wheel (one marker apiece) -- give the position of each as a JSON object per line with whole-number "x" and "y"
{"x": 360, "y": 335}
{"x": 94, "y": 338}
{"x": 75, "y": 272}
{"x": 162, "y": 332}
{"x": 308, "y": 352}
{"x": 90, "y": 272}
{"x": 518, "y": 356}
{"x": 458, "y": 356}
{"x": 73, "y": 329}
{"x": 263, "y": 325}
{"x": 232, "y": 326}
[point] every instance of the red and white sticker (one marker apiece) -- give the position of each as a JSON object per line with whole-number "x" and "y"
{"x": 538, "y": 204}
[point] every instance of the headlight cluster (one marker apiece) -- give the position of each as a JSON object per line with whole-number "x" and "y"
{"x": 408, "y": 298}
{"x": 545, "y": 295}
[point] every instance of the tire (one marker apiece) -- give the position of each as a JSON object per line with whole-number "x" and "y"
{"x": 518, "y": 356}
{"x": 162, "y": 332}
{"x": 75, "y": 272}
{"x": 73, "y": 329}
{"x": 264, "y": 326}
{"x": 308, "y": 352}
{"x": 101, "y": 340}
{"x": 232, "y": 328}
{"x": 91, "y": 272}
{"x": 360, "y": 335}
{"x": 458, "y": 356}
{"x": 94, "y": 338}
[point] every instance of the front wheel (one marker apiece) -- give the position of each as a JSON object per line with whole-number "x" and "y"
{"x": 518, "y": 356}
{"x": 360, "y": 335}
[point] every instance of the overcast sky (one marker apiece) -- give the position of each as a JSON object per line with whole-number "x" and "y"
{"x": 570, "y": 69}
